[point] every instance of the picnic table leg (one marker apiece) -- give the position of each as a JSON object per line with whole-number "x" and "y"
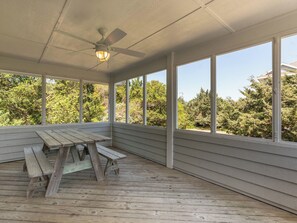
{"x": 56, "y": 177}
{"x": 45, "y": 149}
{"x": 74, "y": 154}
{"x": 95, "y": 161}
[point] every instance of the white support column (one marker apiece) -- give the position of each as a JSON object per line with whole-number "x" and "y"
{"x": 111, "y": 106}
{"x": 213, "y": 99}
{"x": 43, "y": 106}
{"x": 171, "y": 108}
{"x": 81, "y": 109}
{"x": 127, "y": 101}
{"x": 144, "y": 100}
{"x": 276, "y": 83}
{"x": 111, "y": 102}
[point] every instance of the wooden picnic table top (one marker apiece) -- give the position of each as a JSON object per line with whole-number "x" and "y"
{"x": 69, "y": 137}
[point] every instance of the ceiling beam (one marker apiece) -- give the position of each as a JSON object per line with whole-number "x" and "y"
{"x": 56, "y": 27}
{"x": 216, "y": 17}
{"x": 52, "y": 70}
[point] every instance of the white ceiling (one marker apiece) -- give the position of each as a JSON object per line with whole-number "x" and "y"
{"x": 27, "y": 28}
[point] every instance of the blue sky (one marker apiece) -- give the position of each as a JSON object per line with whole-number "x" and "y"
{"x": 192, "y": 77}
{"x": 289, "y": 49}
{"x": 233, "y": 69}
{"x": 160, "y": 76}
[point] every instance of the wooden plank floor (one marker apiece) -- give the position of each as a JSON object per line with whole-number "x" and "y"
{"x": 143, "y": 192}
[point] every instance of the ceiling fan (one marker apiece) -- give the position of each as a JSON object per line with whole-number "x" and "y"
{"x": 103, "y": 46}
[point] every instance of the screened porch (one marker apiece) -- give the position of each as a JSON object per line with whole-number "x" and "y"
{"x": 148, "y": 111}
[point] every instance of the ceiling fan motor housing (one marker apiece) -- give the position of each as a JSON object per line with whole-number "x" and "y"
{"x": 101, "y": 47}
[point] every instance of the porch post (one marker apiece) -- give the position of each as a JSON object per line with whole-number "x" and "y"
{"x": 276, "y": 90}
{"x": 171, "y": 108}
{"x": 111, "y": 102}
{"x": 144, "y": 100}
{"x": 127, "y": 101}
{"x": 213, "y": 95}
{"x": 80, "y": 101}
{"x": 43, "y": 107}
{"x": 111, "y": 107}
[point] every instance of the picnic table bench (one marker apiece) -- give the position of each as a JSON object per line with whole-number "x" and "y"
{"x": 111, "y": 156}
{"x": 38, "y": 168}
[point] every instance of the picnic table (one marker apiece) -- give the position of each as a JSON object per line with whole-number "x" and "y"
{"x": 65, "y": 141}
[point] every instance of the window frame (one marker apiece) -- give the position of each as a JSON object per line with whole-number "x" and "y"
{"x": 211, "y": 88}
{"x": 43, "y": 99}
{"x": 144, "y": 99}
{"x": 276, "y": 90}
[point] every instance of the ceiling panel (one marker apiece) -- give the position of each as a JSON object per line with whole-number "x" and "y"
{"x": 59, "y": 56}
{"x": 240, "y": 14}
{"x": 66, "y": 42}
{"x": 20, "y": 48}
{"x": 196, "y": 28}
{"x": 30, "y": 19}
{"x": 137, "y": 20}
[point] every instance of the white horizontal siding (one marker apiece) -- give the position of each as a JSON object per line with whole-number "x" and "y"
{"x": 14, "y": 139}
{"x": 145, "y": 141}
{"x": 259, "y": 169}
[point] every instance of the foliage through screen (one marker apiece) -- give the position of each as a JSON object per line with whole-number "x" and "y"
{"x": 120, "y": 101}
{"x": 62, "y": 101}
{"x": 20, "y": 100}
{"x": 156, "y": 99}
{"x": 95, "y": 102}
{"x": 136, "y": 100}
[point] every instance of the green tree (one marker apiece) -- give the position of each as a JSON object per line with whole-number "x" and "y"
{"x": 20, "y": 100}
{"x": 136, "y": 101}
{"x": 120, "y": 107}
{"x": 250, "y": 115}
{"x": 198, "y": 110}
{"x": 156, "y": 103}
{"x": 95, "y": 102}
{"x": 62, "y": 101}
{"x": 289, "y": 107}
{"x": 183, "y": 116}
{"x": 227, "y": 113}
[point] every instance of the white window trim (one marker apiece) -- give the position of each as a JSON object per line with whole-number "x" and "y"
{"x": 276, "y": 89}
{"x": 43, "y": 98}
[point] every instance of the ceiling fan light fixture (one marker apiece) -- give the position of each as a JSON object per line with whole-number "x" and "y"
{"x": 102, "y": 55}
{"x": 102, "y": 52}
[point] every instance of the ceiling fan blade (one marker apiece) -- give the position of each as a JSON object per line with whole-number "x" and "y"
{"x": 115, "y": 36}
{"x": 75, "y": 37}
{"x": 69, "y": 50}
{"x": 128, "y": 52}
{"x": 76, "y": 51}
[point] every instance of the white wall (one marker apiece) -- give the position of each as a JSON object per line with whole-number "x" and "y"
{"x": 262, "y": 169}
{"x": 145, "y": 141}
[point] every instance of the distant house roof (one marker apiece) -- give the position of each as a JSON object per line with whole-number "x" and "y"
{"x": 294, "y": 64}
{"x": 286, "y": 69}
